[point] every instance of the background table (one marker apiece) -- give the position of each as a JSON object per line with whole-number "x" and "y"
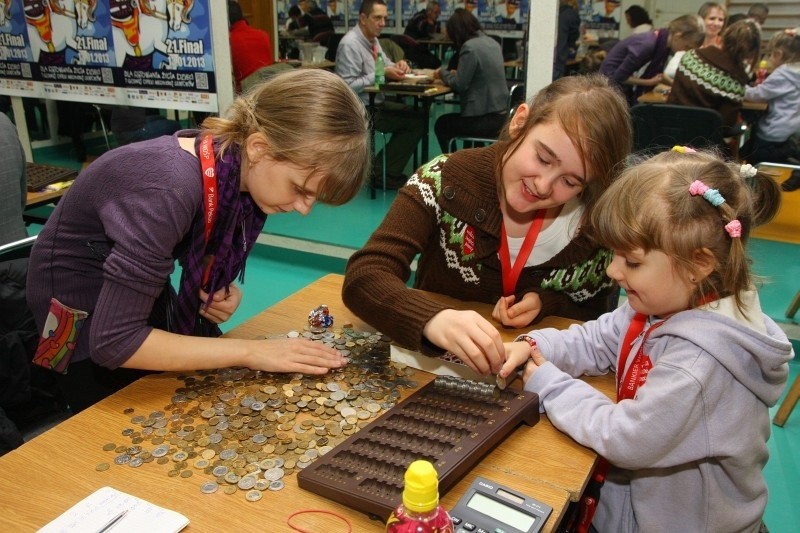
{"x": 660, "y": 94}
{"x": 51, "y": 473}
{"x": 424, "y": 98}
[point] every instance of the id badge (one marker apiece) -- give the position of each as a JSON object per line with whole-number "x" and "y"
{"x": 57, "y": 342}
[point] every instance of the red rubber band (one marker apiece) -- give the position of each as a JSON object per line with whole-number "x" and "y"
{"x": 323, "y": 511}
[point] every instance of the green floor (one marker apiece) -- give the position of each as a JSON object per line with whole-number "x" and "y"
{"x": 276, "y": 272}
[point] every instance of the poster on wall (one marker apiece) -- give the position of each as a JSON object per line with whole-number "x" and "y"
{"x": 71, "y": 44}
{"x": 149, "y": 53}
{"x": 600, "y": 19}
{"x": 17, "y": 65}
{"x": 163, "y": 51}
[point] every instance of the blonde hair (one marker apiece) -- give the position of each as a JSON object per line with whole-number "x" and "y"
{"x": 595, "y": 117}
{"x": 787, "y": 42}
{"x": 650, "y": 208}
{"x": 311, "y": 119}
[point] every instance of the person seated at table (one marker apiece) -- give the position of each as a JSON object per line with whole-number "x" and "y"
{"x": 504, "y": 224}
{"x": 647, "y": 53}
{"x": 569, "y": 30}
{"x": 773, "y": 139}
{"x": 422, "y": 26}
{"x": 698, "y": 363}
{"x": 28, "y": 394}
{"x": 355, "y": 63}
{"x": 638, "y": 19}
{"x": 316, "y": 20}
{"x": 134, "y": 124}
{"x": 251, "y": 48}
{"x": 200, "y": 197}
{"x": 715, "y": 77}
{"x": 480, "y": 81}
{"x": 758, "y": 13}
{"x": 714, "y": 15}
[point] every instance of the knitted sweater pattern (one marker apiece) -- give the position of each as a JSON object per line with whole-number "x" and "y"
{"x": 580, "y": 281}
{"x": 711, "y": 77}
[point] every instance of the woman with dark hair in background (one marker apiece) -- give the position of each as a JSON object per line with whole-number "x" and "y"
{"x": 480, "y": 80}
{"x": 638, "y": 19}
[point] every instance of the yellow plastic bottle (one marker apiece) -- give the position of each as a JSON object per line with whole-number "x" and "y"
{"x": 420, "y": 511}
{"x": 761, "y": 73}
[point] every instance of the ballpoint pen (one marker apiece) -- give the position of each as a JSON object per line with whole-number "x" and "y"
{"x": 113, "y": 522}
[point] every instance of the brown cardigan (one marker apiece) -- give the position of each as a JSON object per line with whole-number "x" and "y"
{"x": 449, "y": 198}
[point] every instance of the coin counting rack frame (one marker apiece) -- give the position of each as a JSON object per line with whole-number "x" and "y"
{"x": 451, "y": 422}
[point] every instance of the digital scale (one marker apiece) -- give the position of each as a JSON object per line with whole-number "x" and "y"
{"x": 488, "y": 507}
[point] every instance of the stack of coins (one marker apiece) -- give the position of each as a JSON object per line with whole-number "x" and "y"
{"x": 244, "y": 430}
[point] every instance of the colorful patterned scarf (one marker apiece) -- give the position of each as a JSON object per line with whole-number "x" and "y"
{"x": 238, "y": 223}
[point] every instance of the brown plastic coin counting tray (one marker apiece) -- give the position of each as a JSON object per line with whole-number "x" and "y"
{"x": 449, "y": 424}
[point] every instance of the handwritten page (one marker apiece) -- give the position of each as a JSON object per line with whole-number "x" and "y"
{"x": 94, "y": 512}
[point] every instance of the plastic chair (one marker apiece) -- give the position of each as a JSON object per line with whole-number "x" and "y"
{"x": 788, "y": 403}
{"x": 516, "y": 96}
{"x": 659, "y": 127}
{"x": 20, "y": 249}
{"x": 102, "y": 124}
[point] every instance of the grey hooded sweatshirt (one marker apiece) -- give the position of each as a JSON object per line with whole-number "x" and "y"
{"x": 689, "y": 449}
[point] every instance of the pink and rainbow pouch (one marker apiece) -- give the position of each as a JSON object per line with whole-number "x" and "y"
{"x": 57, "y": 342}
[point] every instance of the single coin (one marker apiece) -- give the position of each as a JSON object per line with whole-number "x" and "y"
{"x": 209, "y": 487}
{"x": 102, "y": 467}
{"x": 230, "y": 489}
{"x": 276, "y": 485}
{"x": 109, "y": 447}
{"x": 186, "y": 473}
{"x": 253, "y": 495}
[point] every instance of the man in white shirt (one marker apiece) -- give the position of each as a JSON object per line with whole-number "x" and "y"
{"x": 355, "y": 63}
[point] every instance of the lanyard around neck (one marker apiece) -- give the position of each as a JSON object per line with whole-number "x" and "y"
{"x": 636, "y": 375}
{"x": 210, "y": 194}
{"x": 511, "y": 273}
{"x": 209, "y": 184}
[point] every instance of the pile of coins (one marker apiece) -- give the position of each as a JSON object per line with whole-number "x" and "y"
{"x": 248, "y": 429}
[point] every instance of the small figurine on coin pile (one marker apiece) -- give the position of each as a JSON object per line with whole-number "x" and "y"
{"x": 320, "y": 317}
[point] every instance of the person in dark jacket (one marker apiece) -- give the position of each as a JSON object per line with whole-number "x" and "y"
{"x": 569, "y": 29}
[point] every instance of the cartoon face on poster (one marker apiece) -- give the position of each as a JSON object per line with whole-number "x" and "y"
{"x": 164, "y": 52}
{"x": 16, "y": 58}
{"x": 161, "y": 34}
{"x": 69, "y": 32}
{"x": 600, "y": 19}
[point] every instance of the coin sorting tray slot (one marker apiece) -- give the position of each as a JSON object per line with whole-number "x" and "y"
{"x": 451, "y": 422}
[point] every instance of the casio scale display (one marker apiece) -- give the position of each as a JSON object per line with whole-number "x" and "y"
{"x": 490, "y": 507}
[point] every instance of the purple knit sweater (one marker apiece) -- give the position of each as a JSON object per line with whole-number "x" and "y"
{"x": 133, "y": 206}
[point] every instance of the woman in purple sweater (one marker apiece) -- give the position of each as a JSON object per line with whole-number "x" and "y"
{"x": 201, "y": 198}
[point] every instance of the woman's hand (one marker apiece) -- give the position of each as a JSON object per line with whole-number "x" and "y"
{"x": 294, "y": 355}
{"x": 468, "y": 336}
{"x": 222, "y": 305}
{"x": 520, "y": 314}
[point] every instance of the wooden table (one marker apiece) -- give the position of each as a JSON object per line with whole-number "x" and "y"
{"x": 660, "y": 94}
{"x": 51, "y": 473}
{"x": 424, "y": 98}
{"x": 36, "y": 199}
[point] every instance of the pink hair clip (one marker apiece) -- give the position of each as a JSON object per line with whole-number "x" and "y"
{"x": 698, "y": 188}
{"x": 683, "y": 149}
{"x": 734, "y": 229}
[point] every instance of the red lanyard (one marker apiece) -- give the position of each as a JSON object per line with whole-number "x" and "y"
{"x": 641, "y": 364}
{"x": 210, "y": 192}
{"x": 511, "y": 274}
